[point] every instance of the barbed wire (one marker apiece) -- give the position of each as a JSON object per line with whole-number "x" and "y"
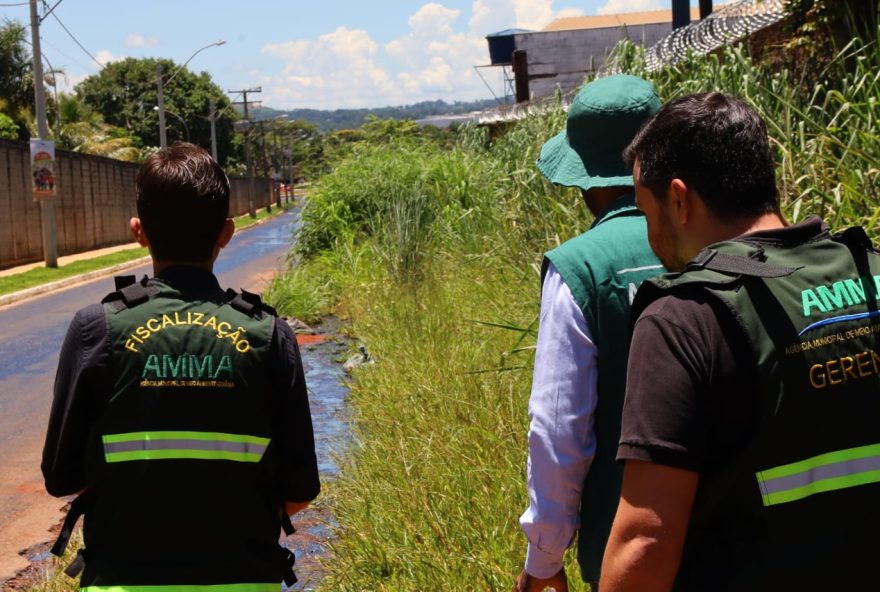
{"x": 735, "y": 21}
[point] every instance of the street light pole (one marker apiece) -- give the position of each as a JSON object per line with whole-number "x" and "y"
{"x": 47, "y": 207}
{"x": 160, "y": 84}
{"x": 180, "y": 119}
{"x": 213, "y": 129}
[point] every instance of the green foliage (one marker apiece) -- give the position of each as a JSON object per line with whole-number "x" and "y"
{"x": 8, "y": 127}
{"x": 125, "y": 94}
{"x": 428, "y": 248}
{"x": 16, "y": 77}
{"x": 447, "y": 303}
{"x": 826, "y": 139}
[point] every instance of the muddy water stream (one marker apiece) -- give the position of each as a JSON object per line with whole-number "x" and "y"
{"x": 327, "y": 398}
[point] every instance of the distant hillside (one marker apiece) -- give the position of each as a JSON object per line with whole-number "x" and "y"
{"x": 352, "y": 118}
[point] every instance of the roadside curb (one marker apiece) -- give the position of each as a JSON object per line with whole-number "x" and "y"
{"x": 70, "y": 281}
{"x": 73, "y": 280}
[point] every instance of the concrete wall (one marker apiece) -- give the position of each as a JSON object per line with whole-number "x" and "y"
{"x": 564, "y": 58}
{"x": 94, "y": 203}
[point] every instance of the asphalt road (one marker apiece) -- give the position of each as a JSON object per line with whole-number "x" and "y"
{"x": 31, "y": 333}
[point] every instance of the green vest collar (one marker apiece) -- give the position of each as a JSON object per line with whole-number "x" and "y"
{"x": 625, "y": 205}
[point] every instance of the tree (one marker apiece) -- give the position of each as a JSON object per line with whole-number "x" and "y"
{"x": 16, "y": 77}
{"x": 125, "y": 95}
{"x": 8, "y": 128}
{"x": 84, "y": 130}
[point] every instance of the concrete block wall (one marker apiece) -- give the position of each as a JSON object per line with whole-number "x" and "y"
{"x": 564, "y": 58}
{"x": 94, "y": 203}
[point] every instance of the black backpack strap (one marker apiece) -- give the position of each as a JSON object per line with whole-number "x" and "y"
{"x": 738, "y": 265}
{"x": 289, "y": 573}
{"x": 289, "y": 557}
{"x": 77, "y": 509}
{"x": 77, "y": 565}
{"x": 286, "y": 524}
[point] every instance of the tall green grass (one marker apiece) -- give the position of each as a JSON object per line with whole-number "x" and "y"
{"x": 826, "y": 136}
{"x": 430, "y": 253}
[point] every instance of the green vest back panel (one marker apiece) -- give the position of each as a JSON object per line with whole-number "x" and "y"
{"x": 181, "y": 485}
{"x": 603, "y": 268}
{"x": 811, "y": 313}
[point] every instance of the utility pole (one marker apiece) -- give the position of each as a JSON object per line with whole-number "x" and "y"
{"x": 290, "y": 195}
{"x": 47, "y": 207}
{"x": 163, "y": 138}
{"x": 265, "y": 162}
{"x": 247, "y": 146}
{"x": 681, "y": 13}
{"x": 705, "y": 8}
{"x": 213, "y": 129}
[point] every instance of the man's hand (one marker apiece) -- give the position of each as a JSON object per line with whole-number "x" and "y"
{"x": 527, "y": 583}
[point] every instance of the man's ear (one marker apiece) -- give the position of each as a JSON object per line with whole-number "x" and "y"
{"x": 680, "y": 199}
{"x": 226, "y": 233}
{"x": 137, "y": 230}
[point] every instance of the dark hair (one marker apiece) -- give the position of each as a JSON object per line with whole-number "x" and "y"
{"x": 183, "y": 202}
{"x": 715, "y": 143}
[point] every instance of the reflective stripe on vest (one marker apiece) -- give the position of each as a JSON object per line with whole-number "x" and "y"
{"x": 826, "y": 472}
{"x": 183, "y": 445}
{"x": 274, "y": 587}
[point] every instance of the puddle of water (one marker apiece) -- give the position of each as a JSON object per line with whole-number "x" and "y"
{"x": 327, "y": 398}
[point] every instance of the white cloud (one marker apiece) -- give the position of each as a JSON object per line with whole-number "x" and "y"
{"x": 68, "y": 80}
{"x": 105, "y": 57}
{"x": 336, "y": 70}
{"x": 434, "y": 59}
{"x": 489, "y": 16}
{"x": 618, "y": 6}
{"x": 138, "y": 40}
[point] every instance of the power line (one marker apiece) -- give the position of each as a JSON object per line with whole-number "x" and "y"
{"x": 69, "y": 57}
{"x": 15, "y": 4}
{"x": 46, "y": 5}
{"x": 75, "y": 40}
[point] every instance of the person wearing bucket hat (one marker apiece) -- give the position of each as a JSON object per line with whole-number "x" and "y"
{"x": 580, "y": 360}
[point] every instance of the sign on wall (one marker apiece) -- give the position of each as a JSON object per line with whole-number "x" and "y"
{"x": 43, "y": 168}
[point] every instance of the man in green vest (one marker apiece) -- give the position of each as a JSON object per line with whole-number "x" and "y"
{"x": 180, "y": 415}
{"x": 580, "y": 362}
{"x": 750, "y": 430}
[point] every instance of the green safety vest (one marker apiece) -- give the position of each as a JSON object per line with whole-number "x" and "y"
{"x": 811, "y": 469}
{"x": 603, "y": 268}
{"x": 181, "y": 466}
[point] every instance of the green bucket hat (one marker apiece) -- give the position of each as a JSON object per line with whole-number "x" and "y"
{"x": 602, "y": 120}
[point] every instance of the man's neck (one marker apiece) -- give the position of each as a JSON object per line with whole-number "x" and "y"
{"x": 599, "y": 199}
{"x": 769, "y": 221}
{"x": 161, "y": 265}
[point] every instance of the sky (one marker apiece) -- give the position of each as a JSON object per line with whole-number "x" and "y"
{"x": 323, "y": 54}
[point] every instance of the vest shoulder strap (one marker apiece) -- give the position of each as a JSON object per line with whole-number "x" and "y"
{"x": 742, "y": 265}
{"x": 723, "y": 266}
{"x": 130, "y": 292}
{"x": 249, "y": 303}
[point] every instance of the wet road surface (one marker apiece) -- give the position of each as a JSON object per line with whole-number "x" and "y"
{"x": 31, "y": 333}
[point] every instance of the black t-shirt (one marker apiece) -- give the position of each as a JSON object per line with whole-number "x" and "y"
{"x": 692, "y": 392}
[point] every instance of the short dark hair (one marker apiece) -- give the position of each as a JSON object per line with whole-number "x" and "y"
{"x": 715, "y": 143}
{"x": 183, "y": 202}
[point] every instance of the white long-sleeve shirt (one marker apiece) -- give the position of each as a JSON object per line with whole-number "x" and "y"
{"x": 561, "y": 438}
